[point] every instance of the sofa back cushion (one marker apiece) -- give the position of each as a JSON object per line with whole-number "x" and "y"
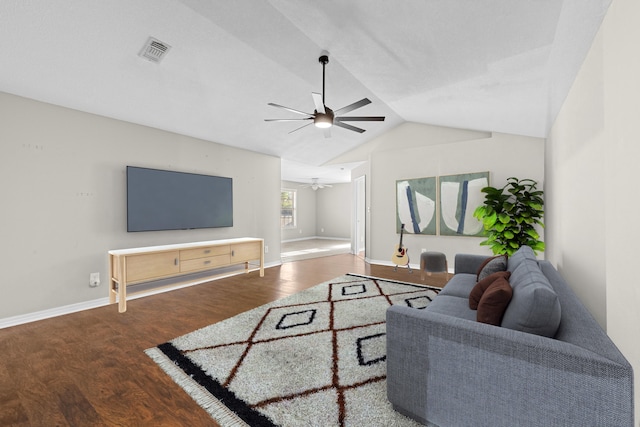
{"x": 524, "y": 252}
{"x": 534, "y": 306}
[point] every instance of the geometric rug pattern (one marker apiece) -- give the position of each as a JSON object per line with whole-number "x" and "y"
{"x": 314, "y": 358}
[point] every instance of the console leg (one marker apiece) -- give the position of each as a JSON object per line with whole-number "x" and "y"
{"x": 122, "y": 298}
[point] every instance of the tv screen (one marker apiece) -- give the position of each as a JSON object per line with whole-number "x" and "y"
{"x": 167, "y": 200}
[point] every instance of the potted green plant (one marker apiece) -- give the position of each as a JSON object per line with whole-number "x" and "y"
{"x": 509, "y": 216}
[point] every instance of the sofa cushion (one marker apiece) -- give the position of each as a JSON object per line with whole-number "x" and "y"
{"x": 494, "y": 302}
{"x": 534, "y": 306}
{"x": 452, "y": 306}
{"x": 476, "y": 293}
{"x": 524, "y": 252}
{"x": 492, "y": 265}
{"x": 459, "y": 285}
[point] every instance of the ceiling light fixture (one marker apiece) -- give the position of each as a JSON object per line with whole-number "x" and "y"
{"x": 323, "y": 120}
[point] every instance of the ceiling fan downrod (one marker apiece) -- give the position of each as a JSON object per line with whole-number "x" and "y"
{"x": 324, "y": 59}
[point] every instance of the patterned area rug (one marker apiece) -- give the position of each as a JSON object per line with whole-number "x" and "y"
{"x": 316, "y": 358}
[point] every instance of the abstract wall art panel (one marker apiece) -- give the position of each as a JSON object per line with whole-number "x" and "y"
{"x": 460, "y": 195}
{"x": 416, "y": 205}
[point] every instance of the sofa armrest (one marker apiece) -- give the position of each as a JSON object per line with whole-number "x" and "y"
{"x": 468, "y": 263}
{"x": 450, "y": 371}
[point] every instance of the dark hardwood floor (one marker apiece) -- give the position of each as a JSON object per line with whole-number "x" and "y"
{"x": 90, "y": 369}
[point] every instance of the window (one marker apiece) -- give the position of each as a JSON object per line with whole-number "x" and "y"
{"x": 288, "y": 208}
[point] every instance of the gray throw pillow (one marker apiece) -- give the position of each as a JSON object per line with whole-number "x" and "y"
{"x": 492, "y": 265}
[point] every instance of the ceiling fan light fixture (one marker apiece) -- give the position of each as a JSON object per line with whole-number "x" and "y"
{"x": 323, "y": 121}
{"x": 315, "y": 185}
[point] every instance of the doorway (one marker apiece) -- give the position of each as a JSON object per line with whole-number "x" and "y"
{"x": 360, "y": 213}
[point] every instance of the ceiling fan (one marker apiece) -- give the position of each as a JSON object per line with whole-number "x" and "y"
{"x": 315, "y": 185}
{"x": 324, "y": 117}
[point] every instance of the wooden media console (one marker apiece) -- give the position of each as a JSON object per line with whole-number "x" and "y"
{"x": 140, "y": 265}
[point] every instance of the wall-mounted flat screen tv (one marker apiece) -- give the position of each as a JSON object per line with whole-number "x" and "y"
{"x": 168, "y": 200}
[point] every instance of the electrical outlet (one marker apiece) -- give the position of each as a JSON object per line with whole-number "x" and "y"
{"x": 266, "y": 249}
{"x": 424, "y": 250}
{"x": 94, "y": 279}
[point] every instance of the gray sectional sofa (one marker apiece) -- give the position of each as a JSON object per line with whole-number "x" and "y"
{"x": 547, "y": 363}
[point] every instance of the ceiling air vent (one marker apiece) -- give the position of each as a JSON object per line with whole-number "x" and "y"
{"x": 154, "y": 50}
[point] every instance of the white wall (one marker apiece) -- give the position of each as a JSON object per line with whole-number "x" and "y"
{"x": 334, "y": 211}
{"x": 592, "y": 162}
{"x": 502, "y": 155}
{"x": 575, "y": 170}
{"x": 306, "y": 212}
{"x": 64, "y": 198}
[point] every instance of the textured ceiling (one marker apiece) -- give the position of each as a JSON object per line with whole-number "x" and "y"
{"x": 489, "y": 65}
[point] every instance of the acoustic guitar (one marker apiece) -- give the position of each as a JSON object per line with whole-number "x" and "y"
{"x": 400, "y": 255}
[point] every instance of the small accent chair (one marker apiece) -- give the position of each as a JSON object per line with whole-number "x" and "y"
{"x": 432, "y": 262}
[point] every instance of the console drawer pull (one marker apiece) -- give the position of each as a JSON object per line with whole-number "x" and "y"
{"x": 207, "y": 251}
{"x": 175, "y": 261}
{"x": 207, "y": 262}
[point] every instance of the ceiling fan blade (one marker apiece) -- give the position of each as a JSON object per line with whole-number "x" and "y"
{"x": 290, "y": 109}
{"x": 287, "y": 120}
{"x": 346, "y": 126}
{"x": 317, "y": 101}
{"x": 361, "y": 119}
{"x": 297, "y": 129}
{"x": 351, "y": 107}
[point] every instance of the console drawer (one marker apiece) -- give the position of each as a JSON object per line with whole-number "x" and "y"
{"x": 205, "y": 263}
{"x": 207, "y": 251}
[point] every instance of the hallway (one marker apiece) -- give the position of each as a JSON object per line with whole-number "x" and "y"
{"x": 313, "y": 248}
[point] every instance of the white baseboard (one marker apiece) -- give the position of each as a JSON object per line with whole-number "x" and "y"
{"x": 52, "y": 312}
{"x": 346, "y": 239}
{"x": 21, "y": 319}
{"x": 389, "y": 263}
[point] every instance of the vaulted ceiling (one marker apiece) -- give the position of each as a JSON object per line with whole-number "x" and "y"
{"x": 488, "y": 65}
